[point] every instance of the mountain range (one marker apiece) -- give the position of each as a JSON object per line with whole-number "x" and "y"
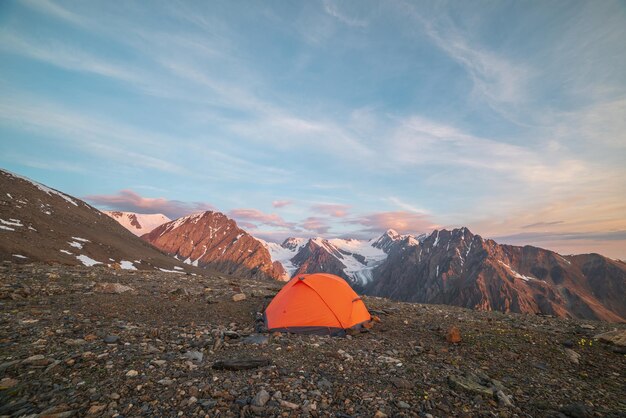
{"x": 454, "y": 267}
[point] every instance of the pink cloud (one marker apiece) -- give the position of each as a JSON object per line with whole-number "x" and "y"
{"x": 256, "y": 216}
{"x": 401, "y": 221}
{"x": 336, "y": 210}
{"x": 130, "y": 201}
{"x": 318, "y": 225}
{"x": 281, "y": 203}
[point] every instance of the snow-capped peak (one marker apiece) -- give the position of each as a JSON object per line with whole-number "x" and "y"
{"x": 138, "y": 223}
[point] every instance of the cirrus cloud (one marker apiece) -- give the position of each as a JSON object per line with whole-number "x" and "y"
{"x": 256, "y": 216}
{"x": 331, "y": 209}
{"x": 402, "y": 221}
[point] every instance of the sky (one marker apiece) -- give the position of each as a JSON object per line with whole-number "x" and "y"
{"x": 328, "y": 118}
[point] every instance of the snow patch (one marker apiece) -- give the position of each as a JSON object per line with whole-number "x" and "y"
{"x": 81, "y": 239}
{"x": 11, "y": 222}
{"x": 87, "y": 261}
{"x": 516, "y": 274}
{"x": 171, "y": 271}
{"x": 75, "y": 244}
{"x": 127, "y": 265}
{"x": 66, "y": 252}
{"x": 19, "y": 256}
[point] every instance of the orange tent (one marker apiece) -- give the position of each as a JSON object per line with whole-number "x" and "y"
{"x": 317, "y": 303}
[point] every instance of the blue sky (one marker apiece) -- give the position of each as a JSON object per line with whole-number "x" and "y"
{"x": 333, "y": 118}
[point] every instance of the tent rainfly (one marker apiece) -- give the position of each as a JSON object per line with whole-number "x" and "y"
{"x": 317, "y": 303}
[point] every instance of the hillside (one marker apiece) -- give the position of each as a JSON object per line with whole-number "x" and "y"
{"x": 71, "y": 349}
{"x": 38, "y": 223}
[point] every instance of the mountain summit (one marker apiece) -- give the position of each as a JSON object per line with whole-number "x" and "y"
{"x": 138, "y": 223}
{"x": 459, "y": 268}
{"x": 211, "y": 239}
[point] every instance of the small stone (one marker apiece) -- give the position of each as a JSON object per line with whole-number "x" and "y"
{"x": 568, "y": 343}
{"x": 8, "y": 382}
{"x": 111, "y": 339}
{"x": 290, "y": 405}
{"x": 114, "y": 396}
{"x": 75, "y": 342}
{"x": 159, "y": 362}
{"x": 91, "y": 337}
{"x": 165, "y": 382}
{"x": 132, "y": 373}
{"x": 403, "y": 405}
{"x": 576, "y": 410}
{"x": 454, "y": 335}
{"x": 239, "y": 297}
{"x": 616, "y": 337}
{"x": 243, "y": 364}
{"x": 256, "y": 339}
{"x": 261, "y": 398}
{"x": 196, "y": 356}
{"x": 324, "y": 384}
{"x": 401, "y": 383}
{"x": 503, "y": 400}
{"x": 95, "y": 409}
{"x": 37, "y": 360}
{"x": 572, "y": 355}
{"x": 111, "y": 288}
{"x": 380, "y": 414}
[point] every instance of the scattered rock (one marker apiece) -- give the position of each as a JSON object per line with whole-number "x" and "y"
{"x": 111, "y": 339}
{"x": 401, "y": 383}
{"x": 380, "y": 414}
{"x": 453, "y": 335}
{"x": 111, "y": 288}
{"x": 503, "y": 400}
{"x": 289, "y": 405}
{"x": 572, "y": 355}
{"x": 471, "y": 383}
{"x": 261, "y": 398}
{"x": 576, "y": 410}
{"x": 7, "y": 383}
{"x": 194, "y": 356}
{"x": 616, "y": 337}
{"x": 256, "y": 339}
{"x": 132, "y": 373}
{"x": 403, "y": 405}
{"x": 239, "y": 297}
{"x": 95, "y": 409}
{"x": 242, "y": 364}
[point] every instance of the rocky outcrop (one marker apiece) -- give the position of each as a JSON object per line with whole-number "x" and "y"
{"x": 459, "y": 268}
{"x": 212, "y": 240}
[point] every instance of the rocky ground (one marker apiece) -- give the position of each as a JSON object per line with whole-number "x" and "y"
{"x": 102, "y": 342}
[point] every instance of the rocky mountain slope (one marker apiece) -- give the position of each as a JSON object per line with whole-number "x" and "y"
{"x": 38, "y": 223}
{"x": 211, "y": 239}
{"x": 138, "y": 223}
{"x": 71, "y": 347}
{"x": 351, "y": 259}
{"x": 459, "y": 268}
